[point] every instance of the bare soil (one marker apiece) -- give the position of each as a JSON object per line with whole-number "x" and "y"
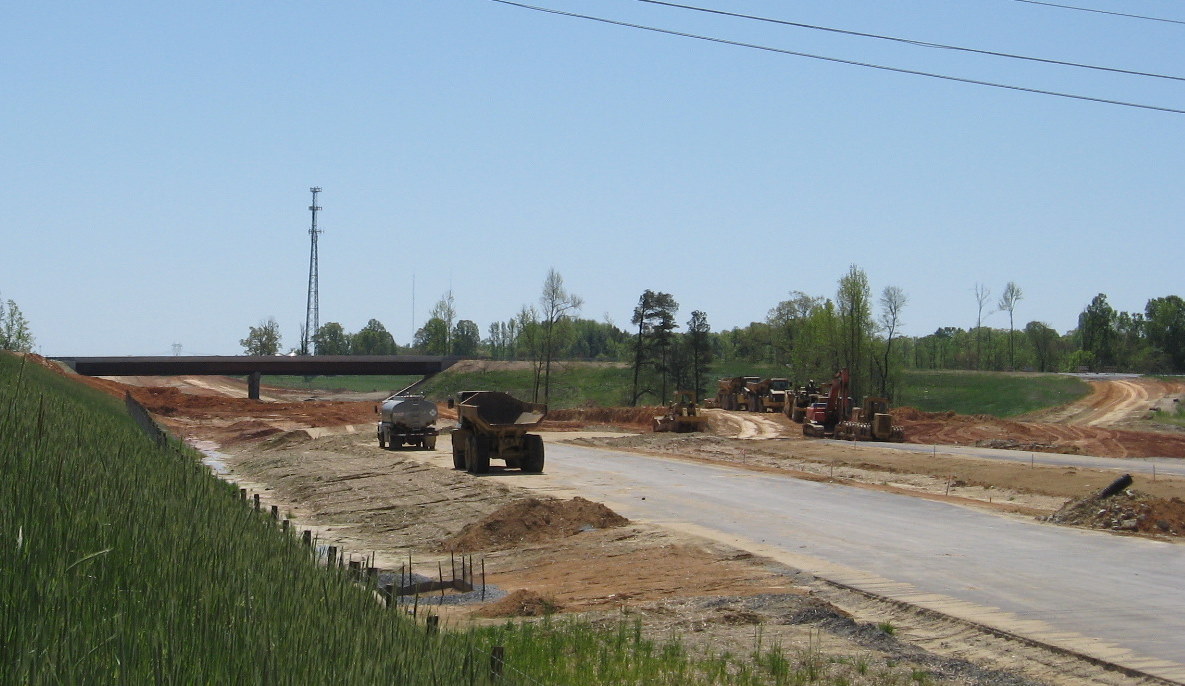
{"x": 320, "y": 463}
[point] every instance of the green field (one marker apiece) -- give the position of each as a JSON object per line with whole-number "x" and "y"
{"x": 123, "y": 561}
{"x": 992, "y": 393}
{"x": 586, "y": 385}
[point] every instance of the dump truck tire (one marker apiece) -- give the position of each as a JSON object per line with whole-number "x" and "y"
{"x": 532, "y": 462}
{"x": 429, "y": 443}
{"x": 477, "y": 456}
{"x": 460, "y": 441}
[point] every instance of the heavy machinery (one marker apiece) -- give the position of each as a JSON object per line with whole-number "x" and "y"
{"x": 681, "y": 416}
{"x": 871, "y": 422}
{"x": 767, "y": 395}
{"x": 494, "y": 425}
{"x": 733, "y": 393}
{"x": 407, "y": 420}
{"x": 827, "y": 411}
{"x": 799, "y": 400}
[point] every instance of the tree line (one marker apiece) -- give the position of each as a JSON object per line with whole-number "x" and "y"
{"x": 810, "y": 336}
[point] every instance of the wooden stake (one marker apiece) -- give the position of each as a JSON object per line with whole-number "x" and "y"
{"x": 256, "y": 497}
{"x": 497, "y": 658}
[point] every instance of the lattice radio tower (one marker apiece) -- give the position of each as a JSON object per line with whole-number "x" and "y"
{"x": 312, "y": 315}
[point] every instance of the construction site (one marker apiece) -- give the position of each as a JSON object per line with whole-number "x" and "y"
{"x": 589, "y": 532}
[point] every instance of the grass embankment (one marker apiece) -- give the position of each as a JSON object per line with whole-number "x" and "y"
{"x": 357, "y": 384}
{"x": 125, "y": 562}
{"x": 991, "y": 393}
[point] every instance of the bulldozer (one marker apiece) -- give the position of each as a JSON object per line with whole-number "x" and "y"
{"x": 871, "y": 422}
{"x": 681, "y": 416}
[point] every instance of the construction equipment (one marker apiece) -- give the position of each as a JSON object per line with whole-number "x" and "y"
{"x": 407, "y": 420}
{"x": 767, "y": 395}
{"x": 681, "y": 416}
{"x": 799, "y": 400}
{"x": 733, "y": 393}
{"x": 826, "y": 412}
{"x": 494, "y": 425}
{"x": 871, "y": 422}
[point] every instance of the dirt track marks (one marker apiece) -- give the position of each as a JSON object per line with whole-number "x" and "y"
{"x": 1112, "y": 403}
{"x": 747, "y": 425}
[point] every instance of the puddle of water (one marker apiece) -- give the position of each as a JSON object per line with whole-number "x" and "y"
{"x": 213, "y": 459}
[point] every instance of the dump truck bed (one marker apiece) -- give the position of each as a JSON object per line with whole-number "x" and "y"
{"x": 499, "y": 412}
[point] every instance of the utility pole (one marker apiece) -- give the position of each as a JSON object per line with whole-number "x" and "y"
{"x": 312, "y": 315}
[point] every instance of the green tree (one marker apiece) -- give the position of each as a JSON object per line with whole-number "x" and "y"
{"x": 1008, "y": 299}
{"x": 1043, "y": 340}
{"x": 263, "y": 339}
{"x": 1164, "y": 322}
{"x": 852, "y": 300}
{"x": 14, "y": 329}
{"x": 373, "y": 339}
{"x": 466, "y": 338}
{"x": 432, "y": 338}
{"x": 700, "y": 350}
{"x": 556, "y": 305}
{"x": 445, "y": 310}
{"x": 655, "y": 318}
{"x": 1096, "y": 328}
{"x": 331, "y": 339}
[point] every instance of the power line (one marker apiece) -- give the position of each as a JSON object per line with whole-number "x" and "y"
{"x": 1114, "y": 14}
{"x": 838, "y": 60}
{"x": 909, "y": 41}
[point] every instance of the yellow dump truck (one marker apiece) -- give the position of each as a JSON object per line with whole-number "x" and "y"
{"x": 494, "y": 425}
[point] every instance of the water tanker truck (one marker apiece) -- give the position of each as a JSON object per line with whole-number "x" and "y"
{"x": 494, "y": 425}
{"x": 407, "y": 420}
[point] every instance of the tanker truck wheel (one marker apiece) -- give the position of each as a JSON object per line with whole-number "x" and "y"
{"x": 533, "y": 461}
{"x": 429, "y": 443}
{"x": 460, "y": 441}
{"x": 477, "y": 456}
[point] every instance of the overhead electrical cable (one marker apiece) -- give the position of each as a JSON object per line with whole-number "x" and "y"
{"x": 1114, "y": 14}
{"x": 839, "y": 60}
{"x": 909, "y": 41}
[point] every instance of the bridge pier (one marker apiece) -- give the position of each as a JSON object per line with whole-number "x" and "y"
{"x": 253, "y": 385}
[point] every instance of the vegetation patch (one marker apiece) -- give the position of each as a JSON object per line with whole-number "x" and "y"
{"x": 989, "y": 393}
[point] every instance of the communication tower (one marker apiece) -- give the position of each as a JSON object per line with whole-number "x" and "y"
{"x": 312, "y": 314}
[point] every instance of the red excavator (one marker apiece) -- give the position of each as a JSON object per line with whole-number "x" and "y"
{"x": 829, "y": 410}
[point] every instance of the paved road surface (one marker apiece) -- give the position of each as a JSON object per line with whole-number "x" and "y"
{"x": 1118, "y": 598}
{"x": 1130, "y": 465}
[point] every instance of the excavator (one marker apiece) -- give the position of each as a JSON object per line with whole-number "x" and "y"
{"x": 823, "y": 415}
{"x": 832, "y": 416}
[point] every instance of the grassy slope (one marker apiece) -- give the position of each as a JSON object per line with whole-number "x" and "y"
{"x": 991, "y": 393}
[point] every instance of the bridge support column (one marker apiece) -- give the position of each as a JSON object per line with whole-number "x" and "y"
{"x": 253, "y": 385}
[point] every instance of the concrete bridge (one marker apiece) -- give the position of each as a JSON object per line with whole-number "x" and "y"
{"x": 255, "y": 367}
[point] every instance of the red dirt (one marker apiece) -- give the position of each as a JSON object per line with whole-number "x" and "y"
{"x": 532, "y": 520}
{"x": 947, "y": 428}
{"x": 521, "y": 603}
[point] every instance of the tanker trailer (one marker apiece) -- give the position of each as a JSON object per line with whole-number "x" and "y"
{"x": 407, "y": 420}
{"x": 494, "y": 425}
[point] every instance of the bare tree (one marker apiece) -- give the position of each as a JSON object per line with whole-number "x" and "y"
{"x": 892, "y": 301}
{"x": 982, "y": 293}
{"x": 1008, "y": 299}
{"x": 557, "y": 304}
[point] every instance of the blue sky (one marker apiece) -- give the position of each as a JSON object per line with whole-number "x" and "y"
{"x": 156, "y": 160}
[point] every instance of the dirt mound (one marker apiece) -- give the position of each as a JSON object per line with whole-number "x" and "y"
{"x": 582, "y": 417}
{"x": 533, "y": 521}
{"x": 521, "y": 603}
{"x": 1127, "y": 511}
